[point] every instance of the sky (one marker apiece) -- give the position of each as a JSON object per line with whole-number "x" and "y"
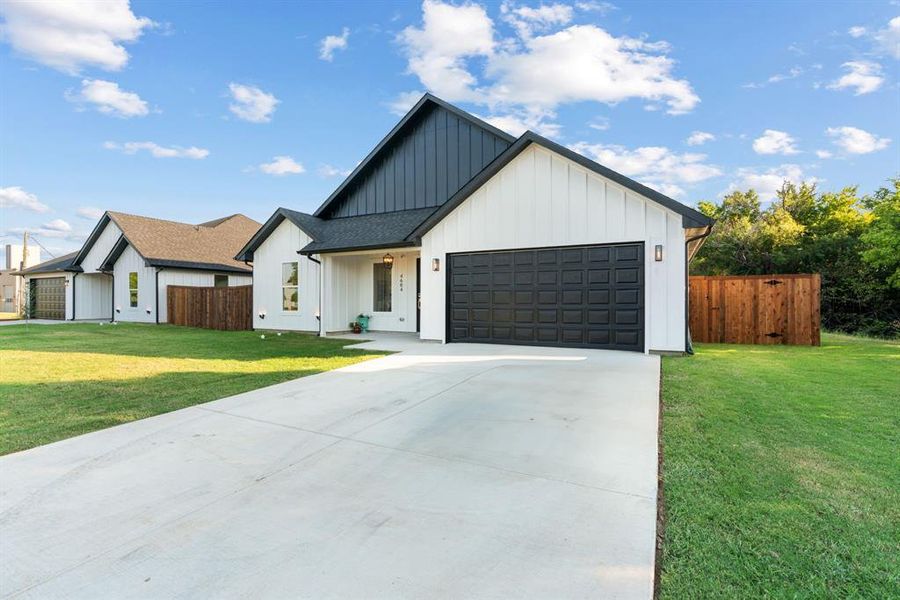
{"x": 192, "y": 111}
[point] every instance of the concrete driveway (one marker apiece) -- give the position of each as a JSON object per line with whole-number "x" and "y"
{"x": 442, "y": 471}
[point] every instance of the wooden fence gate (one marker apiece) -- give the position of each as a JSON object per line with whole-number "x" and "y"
{"x": 755, "y": 309}
{"x": 228, "y": 308}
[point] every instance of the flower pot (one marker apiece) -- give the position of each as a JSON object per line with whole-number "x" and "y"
{"x": 363, "y": 322}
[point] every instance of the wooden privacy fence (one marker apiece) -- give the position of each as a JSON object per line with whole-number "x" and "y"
{"x": 755, "y": 309}
{"x": 228, "y": 308}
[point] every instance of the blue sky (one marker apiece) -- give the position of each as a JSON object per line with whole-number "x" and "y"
{"x": 190, "y": 111}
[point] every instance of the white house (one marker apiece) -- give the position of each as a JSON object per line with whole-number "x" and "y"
{"x": 463, "y": 233}
{"x": 123, "y": 270}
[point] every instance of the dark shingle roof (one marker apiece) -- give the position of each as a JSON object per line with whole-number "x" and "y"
{"x": 381, "y": 230}
{"x": 61, "y": 263}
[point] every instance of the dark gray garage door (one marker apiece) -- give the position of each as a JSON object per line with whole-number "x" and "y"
{"x": 48, "y": 298}
{"x": 583, "y": 296}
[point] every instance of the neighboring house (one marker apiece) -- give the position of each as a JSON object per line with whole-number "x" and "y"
{"x": 125, "y": 266}
{"x": 18, "y": 256}
{"x": 457, "y": 230}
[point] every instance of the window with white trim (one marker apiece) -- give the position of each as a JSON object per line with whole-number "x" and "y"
{"x": 290, "y": 286}
{"x": 133, "y": 289}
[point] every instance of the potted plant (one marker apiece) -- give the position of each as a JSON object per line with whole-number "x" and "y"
{"x": 355, "y": 327}
{"x": 363, "y": 321}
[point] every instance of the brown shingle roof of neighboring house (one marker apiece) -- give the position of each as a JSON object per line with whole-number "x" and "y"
{"x": 170, "y": 243}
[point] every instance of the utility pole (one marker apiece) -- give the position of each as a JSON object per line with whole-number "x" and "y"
{"x": 24, "y": 251}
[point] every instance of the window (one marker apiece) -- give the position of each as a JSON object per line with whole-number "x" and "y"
{"x": 132, "y": 289}
{"x": 289, "y": 287}
{"x": 382, "y": 288}
{"x": 220, "y": 280}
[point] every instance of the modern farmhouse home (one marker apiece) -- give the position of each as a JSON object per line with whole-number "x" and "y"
{"x": 124, "y": 268}
{"x": 463, "y": 233}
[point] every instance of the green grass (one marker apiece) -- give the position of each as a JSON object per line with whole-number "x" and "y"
{"x": 57, "y": 381}
{"x": 781, "y": 471}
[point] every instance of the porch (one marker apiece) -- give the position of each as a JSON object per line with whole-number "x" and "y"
{"x": 383, "y": 284}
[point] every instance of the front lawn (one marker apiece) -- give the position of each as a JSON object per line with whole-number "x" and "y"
{"x": 57, "y": 381}
{"x": 781, "y": 470}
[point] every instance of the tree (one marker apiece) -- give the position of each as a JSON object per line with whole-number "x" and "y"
{"x": 881, "y": 241}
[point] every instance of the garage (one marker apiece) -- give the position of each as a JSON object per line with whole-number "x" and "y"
{"x": 48, "y": 298}
{"x": 575, "y": 296}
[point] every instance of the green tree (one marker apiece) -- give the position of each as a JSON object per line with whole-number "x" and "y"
{"x": 881, "y": 241}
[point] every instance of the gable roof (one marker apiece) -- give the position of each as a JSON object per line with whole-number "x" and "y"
{"x": 690, "y": 217}
{"x": 424, "y": 105}
{"x": 208, "y": 246}
{"x": 58, "y": 264}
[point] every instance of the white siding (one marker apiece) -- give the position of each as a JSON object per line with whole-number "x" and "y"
{"x": 349, "y": 283}
{"x": 93, "y": 296}
{"x": 131, "y": 261}
{"x": 100, "y": 250}
{"x": 280, "y": 247}
{"x": 543, "y": 199}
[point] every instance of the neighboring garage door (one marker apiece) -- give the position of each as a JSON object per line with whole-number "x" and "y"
{"x": 582, "y": 296}
{"x": 48, "y": 298}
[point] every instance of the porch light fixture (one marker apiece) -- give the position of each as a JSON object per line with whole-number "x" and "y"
{"x": 435, "y": 264}
{"x": 118, "y": 309}
{"x": 262, "y": 314}
{"x": 388, "y": 261}
{"x": 149, "y": 310}
{"x": 657, "y": 253}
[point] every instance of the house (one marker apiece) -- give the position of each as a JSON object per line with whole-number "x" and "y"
{"x": 17, "y": 257}
{"x": 124, "y": 268}
{"x": 458, "y": 231}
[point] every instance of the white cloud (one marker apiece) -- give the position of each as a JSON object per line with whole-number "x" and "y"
{"x": 158, "y": 151}
{"x": 436, "y": 53}
{"x": 71, "y": 35}
{"x": 773, "y": 141}
{"x": 110, "y": 99}
{"x": 864, "y": 77}
{"x": 856, "y": 141}
{"x": 404, "y": 101}
{"x": 793, "y": 73}
{"x": 521, "y": 78}
{"x": 91, "y": 213}
{"x": 282, "y": 165}
{"x": 593, "y": 6}
{"x": 767, "y": 182}
{"x": 599, "y": 123}
{"x": 58, "y": 225}
{"x": 332, "y": 171}
{"x": 527, "y": 20}
{"x": 888, "y": 39}
{"x": 698, "y": 138}
{"x": 251, "y": 103}
{"x": 655, "y": 166}
{"x": 517, "y": 124}
{"x": 856, "y": 31}
{"x": 16, "y": 197}
{"x": 330, "y": 43}
{"x": 823, "y": 154}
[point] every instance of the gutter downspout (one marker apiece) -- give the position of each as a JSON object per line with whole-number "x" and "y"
{"x": 158, "y": 269}
{"x": 688, "y": 346}
{"x": 112, "y": 307}
{"x": 74, "y": 275}
{"x": 318, "y": 318}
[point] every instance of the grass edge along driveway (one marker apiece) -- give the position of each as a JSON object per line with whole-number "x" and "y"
{"x": 781, "y": 471}
{"x": 59, "y": 381}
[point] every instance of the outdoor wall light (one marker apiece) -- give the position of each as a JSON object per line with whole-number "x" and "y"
{"x": 118, "y": 309}
{"x": 262, "y": 314}
{"x": 657, "y": 253}
{"x": 388, "y": 261}
{"x": 149, "y": 310}
{"x": 435, "y": 264}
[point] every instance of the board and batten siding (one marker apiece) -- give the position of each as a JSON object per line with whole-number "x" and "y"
{"x": 101, "y": 248}
{"x": 427, "y": 165}
{"x": 281, "y": 247}
{"x": 93, "y": 296}
{"x": 130, "y": 261}
{"x": 543, "y": 199}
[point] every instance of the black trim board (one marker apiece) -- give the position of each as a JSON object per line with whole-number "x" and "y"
{"x": 92, "y": 239}
{"x": 690, "y": 216}
{"x": 246, "y": 253}
{"x": 423, "y": 104}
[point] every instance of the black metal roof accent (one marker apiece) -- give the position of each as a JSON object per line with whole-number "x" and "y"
{"x": 92, "y": 239}
{"x": 690, "y": 217}
{"x": 58, "y": 264}
{"x": 380, "y": 230}
{"x": 183, "y": 264}
{"x": 425, "y": 104}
